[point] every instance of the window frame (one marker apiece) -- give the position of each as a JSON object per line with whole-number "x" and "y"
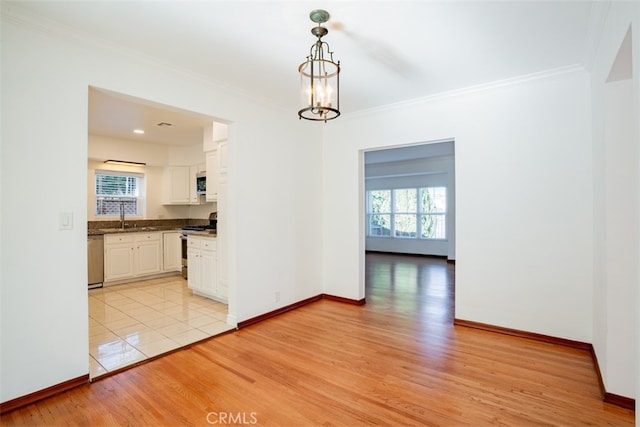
{"x": 139, "y": 197}
{"x": 396, "y": 212}
{"x": 370, "y": 214}
{"x": 419, "y": 213}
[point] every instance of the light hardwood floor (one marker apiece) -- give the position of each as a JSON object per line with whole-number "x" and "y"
{"x": 397, "y": 360}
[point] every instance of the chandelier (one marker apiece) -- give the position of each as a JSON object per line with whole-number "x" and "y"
{"x": 319, "y": 76}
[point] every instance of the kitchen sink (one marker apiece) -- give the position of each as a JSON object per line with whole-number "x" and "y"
{"x": 114, "y": 230}
{"x": 128, "y": 229}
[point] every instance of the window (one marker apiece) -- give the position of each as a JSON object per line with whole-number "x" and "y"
{"x": 433, "y": 217}
{"x": 405, "y": 208}
{"x": 407, "y": 213}
{"x": 379, "y": 213}
{"x": 114, "y": 189}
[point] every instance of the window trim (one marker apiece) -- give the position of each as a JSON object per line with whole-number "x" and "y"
{"x": 419, "y": 214}
{"x": 140, "y": 198}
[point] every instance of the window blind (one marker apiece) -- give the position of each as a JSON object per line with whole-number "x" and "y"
{"x": 115, "y": 189}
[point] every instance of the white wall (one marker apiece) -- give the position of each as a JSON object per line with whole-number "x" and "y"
{"x": 523, "y": 199}
{"x": 151, "y": 199}
{"x": 274, "y": 180}
{"x": 156, "y": 157}
{"x": 616, "y": 130}
{"x": 621, "y": 250}
{"x": 279, "y": 218}
{"x": 101, "y": 148}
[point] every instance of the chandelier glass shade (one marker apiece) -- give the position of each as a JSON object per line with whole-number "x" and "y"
{"x": 319, "y": 77}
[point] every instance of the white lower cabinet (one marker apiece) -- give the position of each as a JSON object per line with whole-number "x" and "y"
{"x": 130, "y": 255}
{"x": 202, "y": 260}
{"x": 118, "y": 257}
{"x": 171, "y": 251}
{"x": 147, "y": 256}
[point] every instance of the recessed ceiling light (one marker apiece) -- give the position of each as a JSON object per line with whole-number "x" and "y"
{"x": 138, "y": 131}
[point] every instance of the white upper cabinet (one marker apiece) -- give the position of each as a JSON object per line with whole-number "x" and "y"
{"x": 223, "y": 156}
{"x": 212, "y": 176}
{"x": 215, "y": 149}
{"x": 213, "y": 134}
{"x": 176, "y": 185}
{"x": 180, "y": 185}
{"x": 194, "y": 199}
{"x": 220, "y": 132}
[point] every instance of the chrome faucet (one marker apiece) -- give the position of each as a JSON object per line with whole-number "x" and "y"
{"x": 122, "y": 214}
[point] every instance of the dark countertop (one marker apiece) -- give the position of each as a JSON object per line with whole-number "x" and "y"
{"x": 206, "y": 233}
{"x": 99, "y": 231}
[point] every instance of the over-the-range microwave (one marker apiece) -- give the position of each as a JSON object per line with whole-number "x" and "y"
{"x": 201, "y": 183}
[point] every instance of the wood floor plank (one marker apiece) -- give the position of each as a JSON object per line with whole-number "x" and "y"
{"x": 398, "y": 360}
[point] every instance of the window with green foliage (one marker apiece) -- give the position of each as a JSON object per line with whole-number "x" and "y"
{"x": 379, "y": 213}
{"x": 407, "y": 213}
{"x": 433, "y": 213}
{"x": 116, "y": 189}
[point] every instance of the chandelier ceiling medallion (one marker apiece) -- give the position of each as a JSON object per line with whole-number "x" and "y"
{"x": 319, "y": 76}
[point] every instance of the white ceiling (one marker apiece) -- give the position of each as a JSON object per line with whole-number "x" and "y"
{"x": 117, "y": 116}
{"x": 401, "y": 154}
{"x": 390, "y": 51}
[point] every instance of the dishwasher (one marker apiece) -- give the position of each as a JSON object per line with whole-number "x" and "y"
{"x": 95, "y": 255}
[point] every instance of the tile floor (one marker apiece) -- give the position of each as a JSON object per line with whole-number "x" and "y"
{"x": 132, "y": 322}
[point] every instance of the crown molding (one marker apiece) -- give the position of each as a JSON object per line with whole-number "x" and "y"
{"x": 513, "y": 81}
{"x": 10, "y": 12}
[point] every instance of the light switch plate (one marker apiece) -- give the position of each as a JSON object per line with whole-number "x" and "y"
{"x": 65, "y": 221}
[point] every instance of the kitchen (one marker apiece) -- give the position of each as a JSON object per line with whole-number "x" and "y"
{"x": 156, "y": 237}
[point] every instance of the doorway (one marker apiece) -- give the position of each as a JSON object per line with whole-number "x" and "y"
{"x": 409, "y": 202}
{"x": 158, "y": 312}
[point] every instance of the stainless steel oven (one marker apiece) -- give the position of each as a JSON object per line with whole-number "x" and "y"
{"x": 183, "y": 240}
